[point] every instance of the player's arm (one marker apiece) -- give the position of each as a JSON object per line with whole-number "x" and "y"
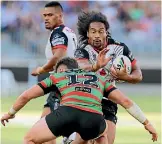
{"x": 118, "y": 97}
{"x": 59, "y": 42}
{"x": 136, "y": 74}
{"x": 83, "y": 59}
{"x": 32, "y": 93}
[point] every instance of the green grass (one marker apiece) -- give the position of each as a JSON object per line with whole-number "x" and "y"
{"x": 14, "y": 133}
{"x": 147, "y": 104}
{"x": 33, "y": 106}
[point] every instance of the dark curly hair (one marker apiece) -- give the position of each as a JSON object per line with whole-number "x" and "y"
{"x": 86, "y": 18}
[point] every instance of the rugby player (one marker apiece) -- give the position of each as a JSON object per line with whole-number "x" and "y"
{"x": 93, "y": 29}
{"x": 80, "y": 111}
{"x": 62, "y": 42}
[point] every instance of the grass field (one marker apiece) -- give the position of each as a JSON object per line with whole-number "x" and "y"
{"x": 129, "y": 131}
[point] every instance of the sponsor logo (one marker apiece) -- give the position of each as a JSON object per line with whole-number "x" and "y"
{"x": 58, "y": 41}
{"x": 83, "y": 89}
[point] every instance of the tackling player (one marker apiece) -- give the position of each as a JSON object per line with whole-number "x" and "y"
{"x": 81, "y": 94}
{"x": 94, "y": 36}
{"x": 62, "y": 42}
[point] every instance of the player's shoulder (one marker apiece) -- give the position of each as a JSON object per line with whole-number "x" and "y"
{"x": 112, "y": 41}
{"x": 118, "y": 46}
{"x": 68, "y": 30}
{"x": 57, "y": 32}
{"x": 81, "y": 53}
{"x": 58, "y": 29}
{"x": 58, "y": 37}
{"x": 56, "y": 75}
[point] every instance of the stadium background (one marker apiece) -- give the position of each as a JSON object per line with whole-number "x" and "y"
{"x": 23, "y": 40}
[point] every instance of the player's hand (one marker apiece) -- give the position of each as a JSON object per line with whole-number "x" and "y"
{"x": 149, "y": 127}
{"x": 119, "y": 74}
{"x": 5, "y": 118}
{"x": 37, "y": 71}
{"x": 101, "y": 58}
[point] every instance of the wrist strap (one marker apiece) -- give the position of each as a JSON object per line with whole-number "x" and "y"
{"x": 147, "y": 124}
{"x": 94, "y": 67}
{"x": 12, "y": 111}
{"x": 40, "y": 70}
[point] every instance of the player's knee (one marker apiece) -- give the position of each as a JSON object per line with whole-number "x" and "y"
{"x": 111, "y": 139}
{"x": 101, "y": 140}
{"x": 28, "y": 139}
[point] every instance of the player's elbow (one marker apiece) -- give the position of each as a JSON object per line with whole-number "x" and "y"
{"x": 137, "y": 79}
{"x": 126, "y": 102}
{"x": 25, "y": 97}
{"x": 140, "y": 78}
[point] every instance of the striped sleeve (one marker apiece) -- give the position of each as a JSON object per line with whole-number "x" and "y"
{"x": 108, "y": 88}
{"x": 47, "y": 85}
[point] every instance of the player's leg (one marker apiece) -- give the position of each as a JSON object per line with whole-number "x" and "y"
{"x": 111, "y": 131}
{"x": 102, "y": 139}
{"x": 110, "y": 110}
{"x": 79, "y": 140}
{"x": 92, "y": 126}
{"x": 55, "y": 124}
{"x": 39, "y": 133}
{"x": 45, "y": 112}
{"x": 51, "y": 104}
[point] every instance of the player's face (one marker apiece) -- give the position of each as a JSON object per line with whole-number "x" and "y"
{"x": 51, "y": 17}
{"x": 97, "y": 35}
{"x": 62, "y": 68}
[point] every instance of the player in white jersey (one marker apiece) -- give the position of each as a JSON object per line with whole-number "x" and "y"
{"x": 94, "y": 36}
{"x": 61, "y": 42}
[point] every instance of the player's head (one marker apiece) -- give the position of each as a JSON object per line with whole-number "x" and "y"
{"x": 66, "y": 63}
{"x": 94, "y": 27}
{"x": 53, "y": 15}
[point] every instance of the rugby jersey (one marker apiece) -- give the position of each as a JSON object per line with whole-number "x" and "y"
{"x": 79, "y": 89}
{"x": 61, "y": 37}
{"x": 85, "y": 51}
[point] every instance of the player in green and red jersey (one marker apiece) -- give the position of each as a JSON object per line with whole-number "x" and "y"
{"x": 80, "y": 111}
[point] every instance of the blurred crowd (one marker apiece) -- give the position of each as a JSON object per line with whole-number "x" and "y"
{"x": 137, "y": 23}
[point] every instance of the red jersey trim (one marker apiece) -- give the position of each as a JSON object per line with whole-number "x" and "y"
{"x": 133, "y": 62}
{"x": 59, "y": 46}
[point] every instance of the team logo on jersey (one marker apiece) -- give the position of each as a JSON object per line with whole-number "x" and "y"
{"x": 58, "y": 41}
{"x": 56, "y": 36}
{"x": 78, "y": 54}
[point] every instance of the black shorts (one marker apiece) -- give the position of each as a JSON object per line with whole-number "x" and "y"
{"x": 65, "y": 120}
{"x": 109, "y": 110}
{"x": 52, "y": 101}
